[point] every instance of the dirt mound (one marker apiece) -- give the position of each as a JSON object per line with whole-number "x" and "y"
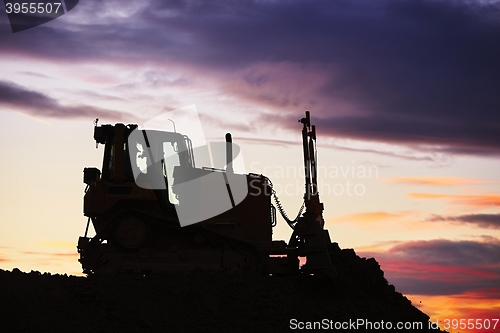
{"x": 201, "y": 301}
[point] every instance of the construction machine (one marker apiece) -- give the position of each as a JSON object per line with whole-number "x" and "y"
{"x": 139, "y": 213}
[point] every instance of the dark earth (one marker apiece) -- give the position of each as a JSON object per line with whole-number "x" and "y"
{"x": 203, "y": 301}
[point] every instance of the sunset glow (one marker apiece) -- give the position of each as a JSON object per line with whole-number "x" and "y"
{"x": 404, "y": 95}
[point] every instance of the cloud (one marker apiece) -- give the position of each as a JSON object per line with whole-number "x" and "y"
{"x": 369, "y": 217}
{"x": 52, "y": 258}
{"x": 418, "y": 73}
{"x": 267, "y": 142}
{"x": 441, "y": 267}
{"x": 377, "y": 247}
{"x": 57, "y": 244}
{"x": 446, "y": 252}
{"x": 483, "y": 200}
{"x": 35, "y": 118}
{"x": 50, "y": 254}
{"x": 437, "y": 181}
{"x": 34, "y": 74}
{"x": 16, "y": 97}
{"x": 489, "y": 221}
{"x": 481, "y": 303}
{"x": 491, "y": 293}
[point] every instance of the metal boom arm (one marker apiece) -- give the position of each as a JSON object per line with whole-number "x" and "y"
{"x": 311, "y": 195}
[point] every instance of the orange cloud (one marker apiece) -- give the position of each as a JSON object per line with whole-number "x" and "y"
{"x": 50, "y": 254}
{"x": 369, "y": 217}
{"x": 468, "y": 200}
{"x": 437, "y": 181}
{"x": 65, "y": 254}
{"x": 377, "y": 247}
{"x": 57, "y": 244}
{"x": 477, "y": 304}
{"x": 49, "y": 261}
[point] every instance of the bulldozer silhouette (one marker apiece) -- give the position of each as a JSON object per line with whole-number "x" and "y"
{"x": 155, "y": 209}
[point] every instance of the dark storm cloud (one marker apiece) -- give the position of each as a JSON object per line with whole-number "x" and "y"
{"x": 422, "y": 72}
{"x": 402, "y": 71}
{"x": 453, "y": 253}
{"x": 491, "y": 221}
{"x": 37, "y": 104}
{"x": 461, "y": 136}
{"x": 440, "y": 267}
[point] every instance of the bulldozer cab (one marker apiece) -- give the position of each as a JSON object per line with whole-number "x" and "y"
{"x": 147, "y": 158}
{"x": 154, "y": 155}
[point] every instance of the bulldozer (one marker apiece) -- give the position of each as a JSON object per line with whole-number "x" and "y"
{"x": 160, "y": 216}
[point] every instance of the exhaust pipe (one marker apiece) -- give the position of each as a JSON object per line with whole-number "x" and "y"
{"x": 229, "y": 153}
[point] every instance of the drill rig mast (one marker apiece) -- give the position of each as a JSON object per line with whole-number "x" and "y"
{"x": 309, "y": 236}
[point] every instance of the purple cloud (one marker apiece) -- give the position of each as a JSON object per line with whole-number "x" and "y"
{"x": 442, "y": 267}
{"x": 37, "y": 104}
{"x": 408, "y": 72}
{"x": 489, "y": 221}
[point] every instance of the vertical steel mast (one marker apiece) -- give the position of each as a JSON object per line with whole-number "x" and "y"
{"x": 314, "y": 208}
{"x": 309, "y": 237}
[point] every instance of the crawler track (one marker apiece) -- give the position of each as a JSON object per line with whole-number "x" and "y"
{"x": 166, "y": 247}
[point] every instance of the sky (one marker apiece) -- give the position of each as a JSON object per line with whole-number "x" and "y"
{"x": 404, "y": 95}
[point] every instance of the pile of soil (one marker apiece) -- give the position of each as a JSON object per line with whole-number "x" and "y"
{"x": 204, "y": 301}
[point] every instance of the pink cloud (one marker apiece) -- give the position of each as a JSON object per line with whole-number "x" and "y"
{"x": 441, "y": 266}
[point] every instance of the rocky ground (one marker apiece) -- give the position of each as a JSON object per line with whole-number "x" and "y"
{"x": 202, "y": 301}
